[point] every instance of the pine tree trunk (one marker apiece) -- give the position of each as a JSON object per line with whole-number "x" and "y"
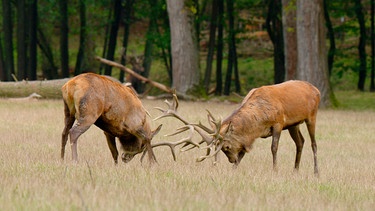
{"x": 49, "y": 67}
{"x": 2, "y": 71}
{"x": 21, "y": 40}
{"x": 211, "y": 46}
{"x": 331, "y": 35}
{"x": 219, "y": 53}
{"x": 80, "y": 62}
{"x": 8, "y": 41}
{"x": 64, "y": 43}
{"x": 361, "y": 45}
{"x": 372, "y": 81}
{"x": 128, "y": 7}
{"x": 275, "y": 31}
{"x": 113, "y": 35}
{"x": 33, "y": 20}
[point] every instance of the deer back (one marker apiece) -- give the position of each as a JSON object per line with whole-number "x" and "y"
{"x": 117, "y": 106}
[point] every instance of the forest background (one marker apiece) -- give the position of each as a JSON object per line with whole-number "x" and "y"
{"x": 240, "y": 40}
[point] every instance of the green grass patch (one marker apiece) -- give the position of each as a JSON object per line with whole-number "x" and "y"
{"x": 355, "y": 100}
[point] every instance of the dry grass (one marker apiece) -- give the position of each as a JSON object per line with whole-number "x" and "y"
{"x": 34, "y": 178}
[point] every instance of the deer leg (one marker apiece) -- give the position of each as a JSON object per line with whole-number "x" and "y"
{"x": 298, "y": 139}
{"x": 83, "y": 124}
{"x": 276, "y": 132}
{"x": 69, "y": 121}
{"x": 76, "y": 131}
{"x": 311, "y": 129}
{"x": 111, "y": 140}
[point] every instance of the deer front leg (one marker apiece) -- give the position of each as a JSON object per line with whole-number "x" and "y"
{"x": 111, "y": 141}
{"x": 76, "y": 132}
{"x": 276, "y": 132}
{"x": 311, "y": 129}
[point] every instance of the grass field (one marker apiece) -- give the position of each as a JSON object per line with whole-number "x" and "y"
{"x": 32, "y": 176}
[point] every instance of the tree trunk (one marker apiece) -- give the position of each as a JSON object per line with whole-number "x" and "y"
{"x": 33, "y": 20}
{"x": 185, "y": 53}
{"x": 275, "y": 31}
{"x": 361, "y": 45}
{"x": 8, "y": 41}
{"x": 219, "y": 52}
{"x": 2, "y": 73}
{"x": 232, "y": 53}
{"x": 290, "y": 38}
{"x": 113, "y": 35}
{"x": 80, "y": 62}
{"x": 331, "y": 35}
{"x": 64, "y": 43}
{"x": 312, "y": 63}
{"x": 128, "y": 7}
{"x": 372, "y": 82}
{"x": 211, "y": 46}
{"x": 106, "y": 38}
{"x": 149, "y": 46}
{"x": 21, "y": 40}
{"x": 47, "y": 89}
{"x": 49, "y": 67}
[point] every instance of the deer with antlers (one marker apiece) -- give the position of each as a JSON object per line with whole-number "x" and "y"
{"x": 264, "y": 112}
{"x": 94, "y": 99}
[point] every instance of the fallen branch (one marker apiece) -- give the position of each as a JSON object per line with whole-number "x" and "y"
{"x": 33, "y": 97}
{"x": 136, "y": 75}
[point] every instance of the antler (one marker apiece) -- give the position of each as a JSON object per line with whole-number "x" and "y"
{"x": 171, "y": 111}
{"x": 209, "y": 136}
{"x": 186, "y": 141}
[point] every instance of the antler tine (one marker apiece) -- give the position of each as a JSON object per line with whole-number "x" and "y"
{"x": 171, "y": 111}
{"x": 203, "y": 127}
{"x": 185, "y": 145}
{"x": 187, "y": 140}
{"x": 215, "y": 124}
{"x": 210, "y": 136}
{"x": 218, "y": 148}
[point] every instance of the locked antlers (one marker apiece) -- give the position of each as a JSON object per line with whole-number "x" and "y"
{"x": 209, "y": 136}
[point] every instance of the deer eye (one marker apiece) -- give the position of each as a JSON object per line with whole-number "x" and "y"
{"x": 226, "y": 148}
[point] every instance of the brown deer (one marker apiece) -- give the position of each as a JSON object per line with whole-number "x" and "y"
{"x": 93, "y": 99}
{"x": 264, "y": 112}
{"x": 137, "y": 66}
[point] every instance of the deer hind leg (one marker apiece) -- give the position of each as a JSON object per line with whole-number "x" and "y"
{"x": 111, "y": 141}
{"x": 69, "y": 121}
{"x": 311, "y": 128}
{"x": 298, "y": 139}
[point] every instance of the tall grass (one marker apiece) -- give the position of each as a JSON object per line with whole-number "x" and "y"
{"x": 32, "y": 176}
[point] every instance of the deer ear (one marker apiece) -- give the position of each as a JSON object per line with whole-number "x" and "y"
{"x": 229, "y": 128}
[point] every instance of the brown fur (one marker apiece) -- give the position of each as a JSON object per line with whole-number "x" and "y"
{"x": 93, "y": 99}
{"x": 268, "y": 110}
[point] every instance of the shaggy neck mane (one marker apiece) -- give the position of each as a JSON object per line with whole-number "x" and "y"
{"x": 250, "y": 119}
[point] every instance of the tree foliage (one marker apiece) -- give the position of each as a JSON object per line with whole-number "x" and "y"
{"x": 49, "y": 39}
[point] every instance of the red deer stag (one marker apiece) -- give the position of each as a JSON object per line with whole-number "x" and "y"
{"x": 264, "y": 112}
{"x": 93, "y": 99}
{"x": 137, "y": 65}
